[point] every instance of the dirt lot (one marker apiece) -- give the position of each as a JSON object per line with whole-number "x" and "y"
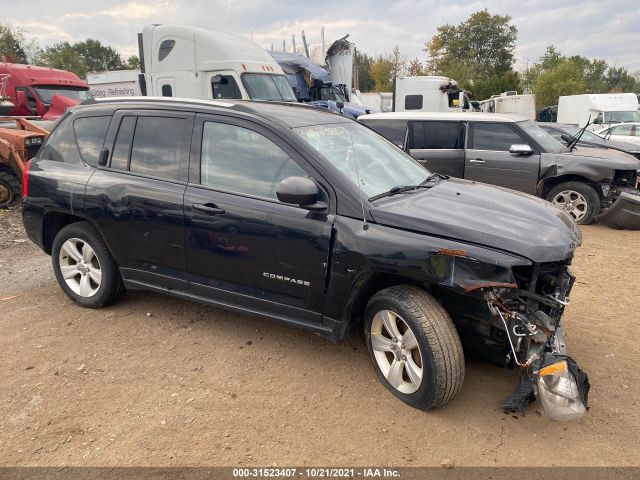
{"x": 158, "y": 381}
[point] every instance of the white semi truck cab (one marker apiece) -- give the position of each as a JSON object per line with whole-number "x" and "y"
{"x": 429, "y": 94}
{"x": 191, "y": 62}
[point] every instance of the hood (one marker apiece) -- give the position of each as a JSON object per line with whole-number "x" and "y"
{"x": 615, "y": 158}
{"x": 484, "y": 215}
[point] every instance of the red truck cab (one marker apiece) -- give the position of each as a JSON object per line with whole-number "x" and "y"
{"x": 42, "y": 91}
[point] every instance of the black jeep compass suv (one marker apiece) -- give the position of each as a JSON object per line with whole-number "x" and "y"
{"x": 309, "y": 218}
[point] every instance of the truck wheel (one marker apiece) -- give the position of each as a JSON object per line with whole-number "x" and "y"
{"x": 9, "y": 189}
{"x": 84, "y": 267}
{"x": 578, "y": 199}
{"x": 414, "y": 346}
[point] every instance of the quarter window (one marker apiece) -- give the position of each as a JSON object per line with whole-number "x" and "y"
{"x": 413, "y": 102}
{"x": 157, "y": 144}
{"x": 240, "y": 160}
{"x": 90, "y": 133}
{"x": 392, "y": 130}
{"x": 494, "y": 136}
{"x": 436, "y": 135}
{"x": 165, "y": 48}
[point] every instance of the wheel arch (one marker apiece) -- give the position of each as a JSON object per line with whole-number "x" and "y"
{"x": 545, "y": 185}
{"x": 53, "y": 222}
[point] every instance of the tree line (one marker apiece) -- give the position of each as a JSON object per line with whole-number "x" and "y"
{"x": 479, "y": 53}
{"x": 82, "y": 57}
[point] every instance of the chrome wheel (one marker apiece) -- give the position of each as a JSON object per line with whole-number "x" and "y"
{"x": 396, "y": 351}
{"x": 574, "y": 203}
{"x": 80, "y": 267}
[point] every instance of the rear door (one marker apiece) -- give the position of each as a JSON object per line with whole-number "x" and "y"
{"x": 246, "y": 249}
{"x": 136, "y": 200}
{"x": 438, "y": 145}
{"x": 488, "y": 159}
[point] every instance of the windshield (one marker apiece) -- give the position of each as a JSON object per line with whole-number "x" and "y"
{"x": 271, "y": 88}
{"x": 46, "y": 92}
{"x": 331, "y": 93}
{"x": 545, "y": 140}
{"x": 357, "y": 151}
{"x": 586, "y": 136}
{"x": 620, "y": 117}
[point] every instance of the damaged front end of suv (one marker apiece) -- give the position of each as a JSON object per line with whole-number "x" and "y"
{"x": 531, "y": 319}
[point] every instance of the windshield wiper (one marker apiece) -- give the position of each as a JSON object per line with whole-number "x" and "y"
{"x": 427, "y": 183}
{"x": 576, "y": 138}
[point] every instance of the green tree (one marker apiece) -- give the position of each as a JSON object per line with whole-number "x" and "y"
{"x": 385, "y": 68}
{"x": 415, "y": 68}
{"x": 80, "y": 58}
{"x": 133, "y": 62}
{"x": 474, "y": 50}
{"x": 566, "y": 78}
{"x": 12, "y": 44}
{"x": 363, "y": 64}
{"x": 485, "y": 87}
{"x": 63, "y": 56}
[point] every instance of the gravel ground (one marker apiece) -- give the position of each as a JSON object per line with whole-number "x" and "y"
{"x": 157, "y": 381}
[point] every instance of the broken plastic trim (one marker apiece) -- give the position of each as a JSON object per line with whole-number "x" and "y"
{"x": 623, "y": 214}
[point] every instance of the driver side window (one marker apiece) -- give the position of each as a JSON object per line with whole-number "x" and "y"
{"x": 239, "y": 160}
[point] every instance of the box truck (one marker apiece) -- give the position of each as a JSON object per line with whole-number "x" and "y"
{"x": 510, "y": 102}
{"x": 603, "y": 109}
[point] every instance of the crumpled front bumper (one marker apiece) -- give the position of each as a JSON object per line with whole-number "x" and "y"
{"x": 623, "y": 214}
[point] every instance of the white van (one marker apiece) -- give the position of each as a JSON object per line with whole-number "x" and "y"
{"x": 511, "y": 102}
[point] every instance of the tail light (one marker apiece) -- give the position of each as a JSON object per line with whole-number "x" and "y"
{"x": 25, "y": 179}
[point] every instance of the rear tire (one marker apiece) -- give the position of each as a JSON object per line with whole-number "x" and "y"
{"x": 578, "y": 199}
{"x": 9, "y": 189}
{"x": 84, "y": 267}
{"x": 414, "y": 346}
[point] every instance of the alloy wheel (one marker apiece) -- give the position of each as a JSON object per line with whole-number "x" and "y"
{"x": 574, "y": 203}
{"x": 80, "y": 267}
{"x": 396, "y": 351}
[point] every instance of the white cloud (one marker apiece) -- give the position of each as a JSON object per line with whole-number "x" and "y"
{"x": 608, "y": 30}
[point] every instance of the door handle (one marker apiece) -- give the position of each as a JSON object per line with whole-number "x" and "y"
{"x": 208, "y": 208}
{"x": 476, "y": 160}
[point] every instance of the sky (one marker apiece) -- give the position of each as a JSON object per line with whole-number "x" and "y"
{"x": 607, "y": 29}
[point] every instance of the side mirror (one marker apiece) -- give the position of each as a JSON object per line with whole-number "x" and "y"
{"x": 566, "y": 137}
{"x": 596, "y": 121}
{"x": 520, "y": 149}
{"x": 300, "y": 191}
{"x": 339, "y": 105}
{"x": 103, "y": 157}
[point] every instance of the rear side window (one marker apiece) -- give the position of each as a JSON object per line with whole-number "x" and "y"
{"x": 436, "y": 135}
{"x": 90, "y": 133}
{"x": 413, "y": 102}
{"x": 224, "y": 86}
{"x": 240, "y": 160}
{"x": 61, "y": 145}
{"x": 392, "y": 130}
{"x": 157, "y": 144}
{"x": 494, "y": 136}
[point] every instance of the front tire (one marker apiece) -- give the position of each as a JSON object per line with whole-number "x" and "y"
{"x": 84, "y": 267}
{"x": 578, "y": 199}
{"x": 414, "y": 346}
